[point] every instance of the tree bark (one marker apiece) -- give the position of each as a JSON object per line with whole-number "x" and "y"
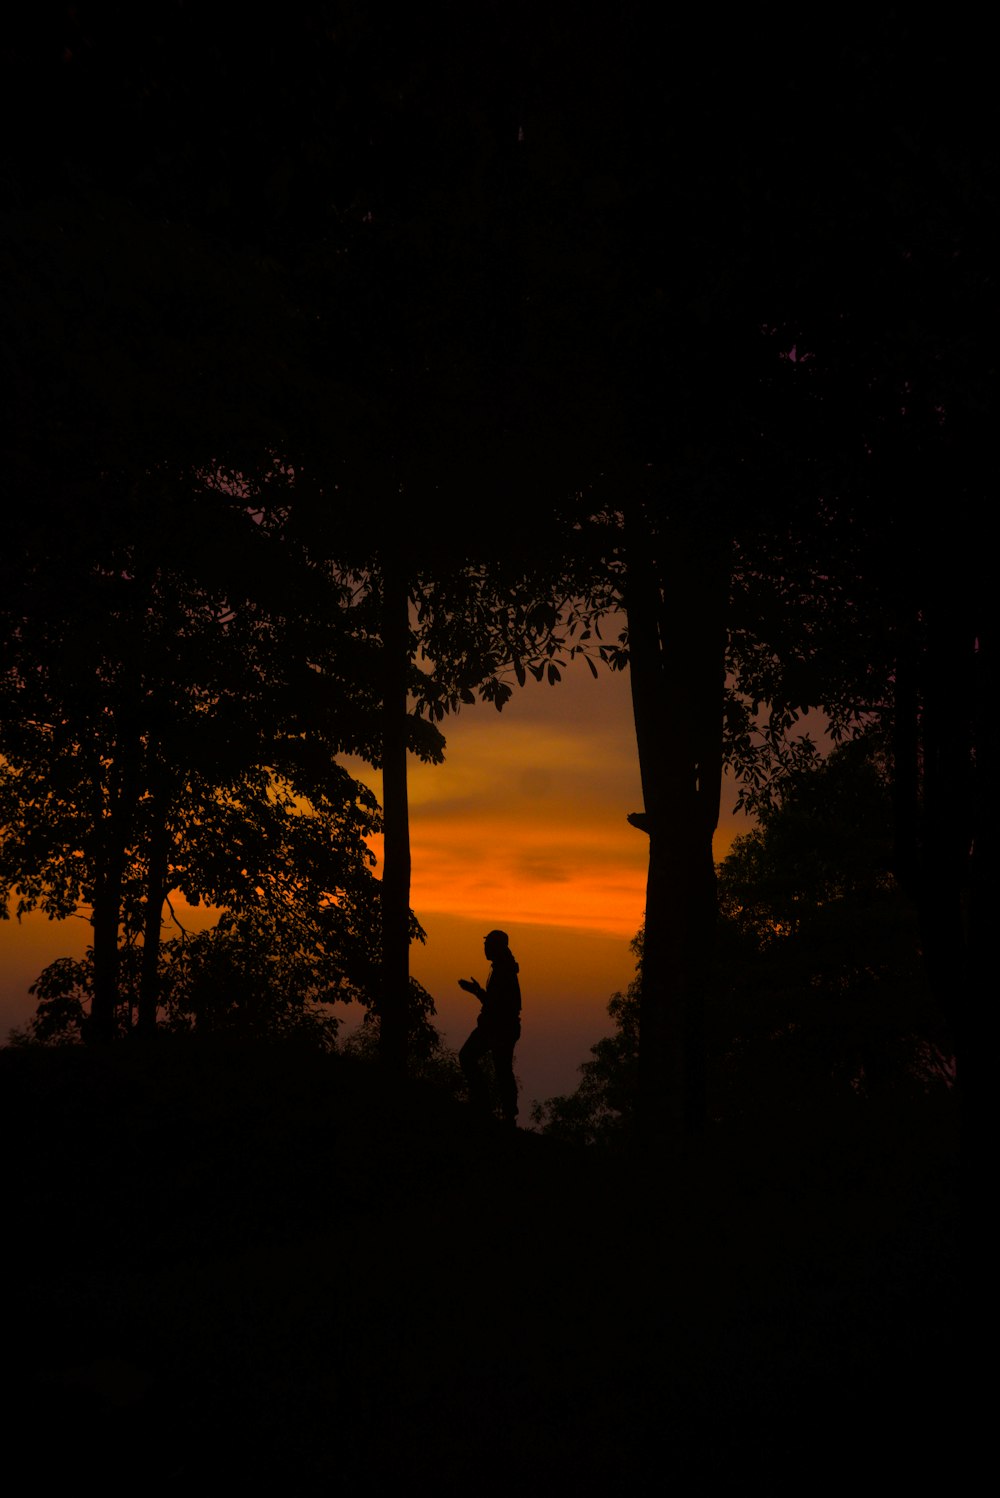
{"x": 394, "y": 978}
{"x": 105, "y": 921}
{"x": 941, "y": 751}
{"x": 113, "y": 839}
{"x": 676, "y": 604}
{"x": 156, "y": 882}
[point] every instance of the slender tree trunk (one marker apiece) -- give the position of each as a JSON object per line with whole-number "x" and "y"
{"x": 394, "y": 985}
{"x": 156, "y": 881}
{"x": 105, "y": 921}
{"x": 109, "y": 882}
{"x": 676, "y": 610}
{"x": 906, "y": 759}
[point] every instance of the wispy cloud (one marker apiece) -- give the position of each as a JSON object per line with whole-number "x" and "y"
{"x": 526, "y": 819}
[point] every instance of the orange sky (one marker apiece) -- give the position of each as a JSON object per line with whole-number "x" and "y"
{"x": 523, "y": 827}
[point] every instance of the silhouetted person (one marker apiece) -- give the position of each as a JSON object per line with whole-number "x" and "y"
{"x": 497, "y": 1031}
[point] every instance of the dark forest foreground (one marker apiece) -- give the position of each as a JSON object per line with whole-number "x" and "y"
{"x": 230, "y": 1265}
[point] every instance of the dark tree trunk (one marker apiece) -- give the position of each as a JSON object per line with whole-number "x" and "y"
{"x": 156, "y": 889}
{"x": 906, "y": 760}
{"x": 941, "y": 750}
{"x": 394, "y": 979}
{"x": 105, "y": 920}
{"x": 676, "y": 601}
{"x": 951, "y": 765}
{"x": 113, "y": 840}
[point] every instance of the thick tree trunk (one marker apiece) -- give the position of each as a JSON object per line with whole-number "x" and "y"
{"x": 941, "y": 750}
{"x": 949, "y": 804}
{"x": 394, "y": 981}
{"x": 951, "y": 760}
{"x": 676, "y": 602}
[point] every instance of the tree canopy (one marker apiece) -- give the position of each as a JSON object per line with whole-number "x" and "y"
{"x": 418, "y": 332}
{"x": 818, "y": 993}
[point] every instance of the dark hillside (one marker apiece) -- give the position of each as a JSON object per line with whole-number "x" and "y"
{"x": 229, "y": 1265}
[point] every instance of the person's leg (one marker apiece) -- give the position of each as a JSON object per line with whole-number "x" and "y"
{"x": 469, "y": 1058}
{"x": 503, "y": 1063}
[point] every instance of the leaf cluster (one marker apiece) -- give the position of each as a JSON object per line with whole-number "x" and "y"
{"x": 817, "y": 994}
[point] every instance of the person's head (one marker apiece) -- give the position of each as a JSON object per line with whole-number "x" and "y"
{"x": 495, "y": 944}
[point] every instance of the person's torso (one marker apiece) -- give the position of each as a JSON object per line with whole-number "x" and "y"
{"x": 502, "y": 1004}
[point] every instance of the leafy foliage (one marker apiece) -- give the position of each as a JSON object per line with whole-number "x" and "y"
{"x": 602, "y": 1109}
{"x": 427, "y": 1056}
{"x": 382, "y": 277}
{"x": 818, "y": 992}
{"x": 300, "y": 929}
{"x": 823, "y": 987}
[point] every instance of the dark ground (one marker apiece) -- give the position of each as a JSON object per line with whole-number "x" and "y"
{"x": 229, "y": 1265}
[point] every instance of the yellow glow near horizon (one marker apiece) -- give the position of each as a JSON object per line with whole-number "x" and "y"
{"x": 525, "y": 822}
{"x": 523, "y": 827}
